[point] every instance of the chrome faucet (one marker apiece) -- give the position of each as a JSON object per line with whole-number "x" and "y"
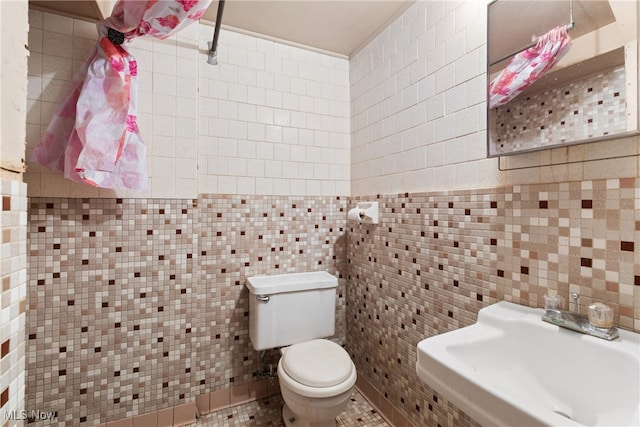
{"x": 574, "y": 320}
{"x": 574, "y": 298}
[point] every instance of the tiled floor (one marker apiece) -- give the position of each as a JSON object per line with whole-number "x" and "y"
{"x": 268, "y": 412}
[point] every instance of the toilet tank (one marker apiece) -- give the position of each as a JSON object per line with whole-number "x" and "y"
{"x": 286, "y": 309}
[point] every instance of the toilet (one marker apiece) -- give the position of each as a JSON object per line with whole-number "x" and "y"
{"x": 295, "y": 313}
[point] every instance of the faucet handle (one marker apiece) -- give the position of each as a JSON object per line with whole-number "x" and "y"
{"x": 600, "y": 315}
{"x": 553, "y": 306}
{"x": 553, "y": 302}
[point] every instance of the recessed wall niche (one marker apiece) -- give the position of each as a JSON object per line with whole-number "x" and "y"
{"x": 589, "y": 95}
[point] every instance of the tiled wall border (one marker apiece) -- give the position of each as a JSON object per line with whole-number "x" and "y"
{"x": 389, "y": 412}
{"x": 207, "y": 403}
{"x": 188, "y": 413}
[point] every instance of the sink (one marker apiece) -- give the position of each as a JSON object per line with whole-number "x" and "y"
{"x": 512, "y": 369}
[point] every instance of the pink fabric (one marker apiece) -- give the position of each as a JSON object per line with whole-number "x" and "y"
{"x": 93, "y": 136}
{"x": 528, "y": 66}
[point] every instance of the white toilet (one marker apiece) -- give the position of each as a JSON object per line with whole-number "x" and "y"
{"x": 294, "y": 312}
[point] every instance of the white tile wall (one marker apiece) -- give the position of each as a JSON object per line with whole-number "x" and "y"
{"x": 418, "y": 112}
{"x": 274, "y": 119}
{"x": 269, "y": 119}
{"x": 406, "y": 113}
{"x": 425, "y": 128}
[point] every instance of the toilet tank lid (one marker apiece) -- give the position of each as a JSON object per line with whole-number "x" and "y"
{"x": 292, "y": 282}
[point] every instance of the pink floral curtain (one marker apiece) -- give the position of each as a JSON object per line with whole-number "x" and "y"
{"x": 93, "y": 136}
{"x": 528, "y": 66}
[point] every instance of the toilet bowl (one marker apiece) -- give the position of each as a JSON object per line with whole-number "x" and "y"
{"x": 317, "y": 378}
{"x": 296, "y": 312}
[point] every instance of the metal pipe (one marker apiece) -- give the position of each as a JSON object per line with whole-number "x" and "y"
{"x": 571, "y": 23}
{"x": 213, "y": 45}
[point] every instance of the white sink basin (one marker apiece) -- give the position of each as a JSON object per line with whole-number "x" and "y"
{"x": 512, "y": 369}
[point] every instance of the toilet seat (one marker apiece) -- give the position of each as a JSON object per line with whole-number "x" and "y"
{"x": 300, "y": 370}
{"x": 317, "y": 363}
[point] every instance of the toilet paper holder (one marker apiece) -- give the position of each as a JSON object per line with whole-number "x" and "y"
{"x": 365, "y": 212}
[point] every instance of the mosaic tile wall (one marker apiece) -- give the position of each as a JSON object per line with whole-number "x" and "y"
{"x": 139, "y": 304}
{"x": 13, "y": 222}
{"x": 435, "y": 259}
{"x": 588, "y": 108}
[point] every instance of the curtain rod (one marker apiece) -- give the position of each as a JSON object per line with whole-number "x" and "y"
{"x": 570, "y": 26}
{"x": 213, "y": 45}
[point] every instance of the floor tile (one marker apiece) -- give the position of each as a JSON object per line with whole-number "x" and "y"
{"x": 268, "y": 412}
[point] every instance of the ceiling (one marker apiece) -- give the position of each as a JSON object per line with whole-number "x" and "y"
{"x": 336, "y": 26}
{"x": 90, "y": 9}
